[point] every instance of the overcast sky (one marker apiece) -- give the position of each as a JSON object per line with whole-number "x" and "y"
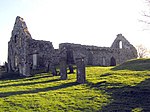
{"x": 89, "y": 22}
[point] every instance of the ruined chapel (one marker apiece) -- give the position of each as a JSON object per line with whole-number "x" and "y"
{"x": 28, "y": 56}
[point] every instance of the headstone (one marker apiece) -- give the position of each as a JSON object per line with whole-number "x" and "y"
{"x": 71, "y": 68}
{"x": 81, "y": 76}
{"x": 63, "y": 68}
{"x": 53, "y": 70}
{"x": 25, "y": 71}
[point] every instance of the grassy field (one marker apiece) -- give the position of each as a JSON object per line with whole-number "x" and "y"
{"x": 107, "y": 89}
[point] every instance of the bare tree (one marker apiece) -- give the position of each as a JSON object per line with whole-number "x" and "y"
{"x": 142, "y": 51}
{"x": 146, "y": 15}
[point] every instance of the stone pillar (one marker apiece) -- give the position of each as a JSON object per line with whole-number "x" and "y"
{"x": 63, "y": 68}
{"x": 70, "y": 68}
{"x": 81, "y": 76}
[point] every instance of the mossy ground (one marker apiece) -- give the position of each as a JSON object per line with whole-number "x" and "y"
{"x": 106, "y": 90}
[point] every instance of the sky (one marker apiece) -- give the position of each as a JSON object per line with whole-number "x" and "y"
{"x": 87, "y": 22}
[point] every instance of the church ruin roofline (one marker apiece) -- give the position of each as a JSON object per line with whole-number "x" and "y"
{"x": 21, "y": 27}
{"x": 42, "y": 40}
{"x": 20, "y": 23}
{"x": 121, "y": 41}
{"x": 76, "y": 44}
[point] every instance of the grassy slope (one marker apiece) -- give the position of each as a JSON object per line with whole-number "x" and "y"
{"x": 138, "y": 64}
{"x": 106, "y": 90}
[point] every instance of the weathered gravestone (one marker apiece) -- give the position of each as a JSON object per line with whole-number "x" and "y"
{"x": 70, "y": 66}
{"x": 26, "y": 70}
{"x": 63, "y": 68}
{"x": 53, "y": 70}
{"x": 81, "y": 75}
{"x": 70, "y": 59}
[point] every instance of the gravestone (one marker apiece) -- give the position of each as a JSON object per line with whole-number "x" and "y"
{"x": 51, "y": 67}
{"x": 63, "y": 68}
{"x": 81, "y": 78}
{"x": 70, "y": 66}
{"x": 53, "y": 70}
{"x": 24, "y": 69}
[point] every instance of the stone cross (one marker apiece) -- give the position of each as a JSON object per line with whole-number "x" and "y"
{"x": 81, "y": 75}
{"x": 63, "y": 68}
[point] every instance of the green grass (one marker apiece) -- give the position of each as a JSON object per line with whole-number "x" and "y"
{"x": 135, "y": 64}
{"x": 106, "y": 90}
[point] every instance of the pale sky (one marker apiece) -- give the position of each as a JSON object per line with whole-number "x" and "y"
{"x": 88, "y": 22}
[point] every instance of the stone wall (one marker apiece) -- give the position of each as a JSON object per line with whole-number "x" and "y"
{"x": 28, "y": 56}
{"x": 17, "y": 48}
{"x": 40, "y": 54}
{"x": 102, "y": 55}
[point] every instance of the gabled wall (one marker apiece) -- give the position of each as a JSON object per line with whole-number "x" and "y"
{"x": 17, "y": 48}
{"x": 103, "y": 56}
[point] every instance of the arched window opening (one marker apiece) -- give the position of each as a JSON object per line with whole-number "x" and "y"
{"x": 120, "y": 44}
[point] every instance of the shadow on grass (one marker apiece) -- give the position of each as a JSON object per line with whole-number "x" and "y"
{"x": 106, "y": 74}
{"x": 10, "y": 76}
{"x": 14, "y": 76}
{"x": 31, "y": 83}
{"x": 39, "y": 77}
{"x": 125, "y": 98}
{"x": 66, "y": 85}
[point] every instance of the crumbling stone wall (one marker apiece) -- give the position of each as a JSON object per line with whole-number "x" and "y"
{"x": 103, "y": 56}
{"x": 126, "y": 50}
{"x": 40, "y": 53}
{"x": 17, "y": 48}
{"x": 28, "y": 56}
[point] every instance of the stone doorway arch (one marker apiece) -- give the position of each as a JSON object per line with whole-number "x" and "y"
{"x": 112, "y": 61}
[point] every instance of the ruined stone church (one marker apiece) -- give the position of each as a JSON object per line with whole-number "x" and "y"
{"x": 28, "y": 56}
